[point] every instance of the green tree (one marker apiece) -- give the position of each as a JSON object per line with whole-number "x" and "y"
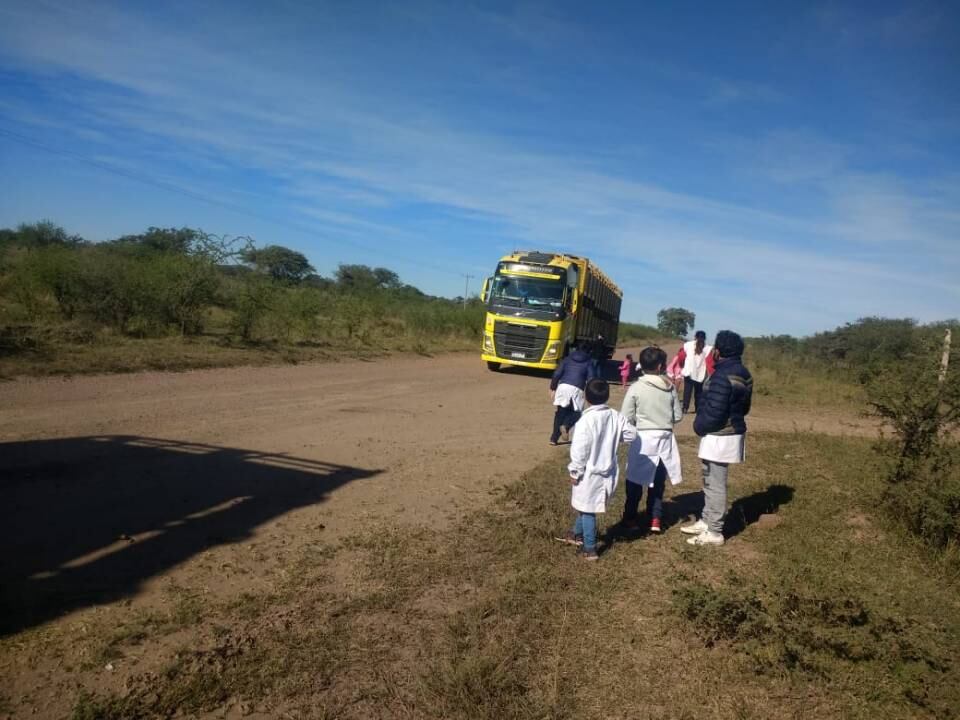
{"x": 675, "y": 321}
{"x": 165, "y": 240}
{"x": 364, "y": 277}
{"x": 278, "y": 262}
{"x": 43, "y": 234}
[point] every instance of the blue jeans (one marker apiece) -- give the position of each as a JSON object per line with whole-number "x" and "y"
{"x": 586, "y": 525}
{"x": 654, "y": 496}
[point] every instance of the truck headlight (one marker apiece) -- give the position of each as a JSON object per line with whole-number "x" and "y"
{"x": 488, "y": 342}
{"x": 553, "y": 350}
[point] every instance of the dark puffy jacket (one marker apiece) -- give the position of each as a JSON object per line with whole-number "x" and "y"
{"x": 725, "y": 400}
{"x": 575, "y": 369}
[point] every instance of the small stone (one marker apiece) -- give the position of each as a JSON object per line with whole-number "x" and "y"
{"x": 108, "y": 667}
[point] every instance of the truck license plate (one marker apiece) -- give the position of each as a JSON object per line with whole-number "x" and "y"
{"x": 517, "y": 355}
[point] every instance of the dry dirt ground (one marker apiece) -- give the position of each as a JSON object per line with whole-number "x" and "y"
{"x": 119, "y": 488}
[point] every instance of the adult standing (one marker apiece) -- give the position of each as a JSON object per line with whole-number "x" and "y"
{"x": 566, "y": 389}
{"x": 695, "y": 357}
{"x": 722, "y": 429}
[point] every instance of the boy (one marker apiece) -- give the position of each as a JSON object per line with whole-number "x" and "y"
{"x": 721, "y": 426}
{"x": 653, "y": 407}
{"x": 594, "y": 467}
{"x": 566, "y": 391}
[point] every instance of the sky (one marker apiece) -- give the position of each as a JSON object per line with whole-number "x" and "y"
{"x": 773, "y": 167}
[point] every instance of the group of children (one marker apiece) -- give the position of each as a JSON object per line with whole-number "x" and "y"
{"x": 651, "y": 407}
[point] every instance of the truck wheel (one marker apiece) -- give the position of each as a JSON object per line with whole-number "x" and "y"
{"x": 494, "y": 366}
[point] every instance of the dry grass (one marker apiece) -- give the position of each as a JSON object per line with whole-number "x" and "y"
{"x": 111, "y": 353}
{"x": 801, "y": 613}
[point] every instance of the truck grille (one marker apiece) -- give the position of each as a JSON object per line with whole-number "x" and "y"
{"x": 514, "y": 341}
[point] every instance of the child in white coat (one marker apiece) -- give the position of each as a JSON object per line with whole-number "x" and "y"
{"x": 594, "y": 467}
{"x": 653, "y": 407}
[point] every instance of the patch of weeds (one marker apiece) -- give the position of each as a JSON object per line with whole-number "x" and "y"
{"x": 834, "y": 638}
{"x": 93, "y": 707}
{"x": 721, "y": 614}
{"x": 482, "y": 670}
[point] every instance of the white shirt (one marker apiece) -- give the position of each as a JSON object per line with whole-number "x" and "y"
{"x": 695, "y": 366}
{"x": 723, "y": 448}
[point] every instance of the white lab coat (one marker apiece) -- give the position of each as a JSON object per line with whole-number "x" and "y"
{"x": 723, "y": 448}
{"x": 652, "y": 448}
{"x": 593, "y": 456}
{"x": 566, "y": 395}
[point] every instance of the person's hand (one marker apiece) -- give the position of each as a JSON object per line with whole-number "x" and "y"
{"x": 574, "y": 479}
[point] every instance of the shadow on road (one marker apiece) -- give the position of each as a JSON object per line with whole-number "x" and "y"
{"x": 86, "y": 520}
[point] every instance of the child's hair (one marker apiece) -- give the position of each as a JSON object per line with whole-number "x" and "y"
{"x": 651, "y": 358}
{"x": 597, "y": 391}
{"x": 629, "y": 356}
{"x": 728, "y": 344}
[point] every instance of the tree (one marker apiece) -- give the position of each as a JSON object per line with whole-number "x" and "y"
{"x": 180, "y": 241}
{"x": 675, "y": 321}
{"x": 44, "y": 234}
{"x": 363, "y": 277}
{"x": 278, "y": 262}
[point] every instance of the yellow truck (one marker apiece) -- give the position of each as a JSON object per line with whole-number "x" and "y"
{"x": 540, "y": 305}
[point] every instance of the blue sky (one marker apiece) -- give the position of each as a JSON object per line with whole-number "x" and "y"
{"x": 772, "y": 167}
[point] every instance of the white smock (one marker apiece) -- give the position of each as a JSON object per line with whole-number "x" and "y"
{"x": 723, "y": 448}
{"x": 566, "y": 394}
{"x": 651, "y": 448}
{"x": 593, "y": 456}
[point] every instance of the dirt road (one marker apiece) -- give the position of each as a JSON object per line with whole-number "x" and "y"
{"x": 121, "y": 486}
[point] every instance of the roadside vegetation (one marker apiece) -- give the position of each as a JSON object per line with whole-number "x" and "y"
{"x": 181, "y": 298}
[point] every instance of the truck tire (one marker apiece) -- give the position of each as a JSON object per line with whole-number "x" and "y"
{"x": 494, "y": 366}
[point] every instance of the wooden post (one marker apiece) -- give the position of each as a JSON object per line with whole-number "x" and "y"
{"x": 945, "y": 359}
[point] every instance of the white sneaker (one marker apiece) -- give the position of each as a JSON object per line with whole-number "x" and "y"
{"x": 694, "y": 528}
{"x": 706, "y": 538}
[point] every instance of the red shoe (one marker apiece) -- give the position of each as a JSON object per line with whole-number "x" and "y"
{"x": 655, "y": 525}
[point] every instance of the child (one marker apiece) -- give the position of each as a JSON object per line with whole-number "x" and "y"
{"x": 626, "y": 369}
{"x": 594, "y": 467}
{"x": 653, "y": 407}
{"x": 722, "y": 429}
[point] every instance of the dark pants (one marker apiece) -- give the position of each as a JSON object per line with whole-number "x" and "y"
{"x": 691, "y": 387}
{"x": 565, "y": 416}
{"x": 654, "y": 496}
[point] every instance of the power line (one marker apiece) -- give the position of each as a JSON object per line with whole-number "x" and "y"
{"x": 170, "y": 187}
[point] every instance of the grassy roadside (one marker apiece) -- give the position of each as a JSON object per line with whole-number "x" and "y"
{"x": 813, "y": 606}
{"x": 117, "y": 354}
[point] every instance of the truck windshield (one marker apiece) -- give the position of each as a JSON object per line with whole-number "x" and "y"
{"x": 527, "y": 291}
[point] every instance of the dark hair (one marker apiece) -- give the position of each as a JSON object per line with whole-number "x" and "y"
{"x": 597, "y": 391}
{"x": 728, "y": 344}
{"x": 701, "y": 337}
{"x": 700, "y": 334}
{"x": 650, "y": 359}
{"x": 663, "y": 356}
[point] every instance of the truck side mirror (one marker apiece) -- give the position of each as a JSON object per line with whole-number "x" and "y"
{"x": 485, "y": 291}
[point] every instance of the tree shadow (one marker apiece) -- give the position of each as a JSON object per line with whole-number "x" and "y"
{"x": 87, "y": 520}
{"x": 747, "y": 510}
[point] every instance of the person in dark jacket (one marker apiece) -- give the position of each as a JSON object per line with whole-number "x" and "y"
{"x": 721, "y": 425}
{"x": 566, "y": 389}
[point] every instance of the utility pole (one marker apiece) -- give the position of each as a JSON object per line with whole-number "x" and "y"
{"x": 466, "y": 289}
